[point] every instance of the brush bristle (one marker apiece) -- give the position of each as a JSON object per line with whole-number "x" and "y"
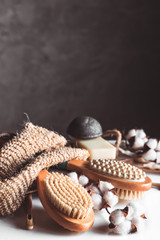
{"x": 118, "y": 169}
{"x": 67, "y": 196}
{"x": 130, "y": 195}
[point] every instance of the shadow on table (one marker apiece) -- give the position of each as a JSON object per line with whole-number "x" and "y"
{"x": 43, "y": 223}
{"x": 100, "y": 229}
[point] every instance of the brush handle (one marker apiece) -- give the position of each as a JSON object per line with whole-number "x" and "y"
{"x": 156, "y": 185}
{"x": 29, "y": 216}
{"x": 60, "y": 166}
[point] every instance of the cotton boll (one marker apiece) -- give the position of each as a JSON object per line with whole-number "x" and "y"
{"x": 140, "y": 133}
{"x": 157, "y": 157}
{"x": 150, "y": 155}
{"x": 93, "y": 187}
{"x": 105, "y": 186}
{"x": 131, "y": 133}
{"x": 137, "y": 209}
{"x": 152, "y": 143}
{"x": 138, "y": 143}
{"x": 117, "y": 217}
{"x": 138, "y": 223}
{"x": 96, "y": 190}
{"x": 97, "y": 201}
{"x": 130, "y": 212}
{"x": 83, "y": 180}
{"x": 145, "y": 139}
{"x": 110, "y": 198}
{"x": 123, "y": 228}
{"x": 73, "y": 176}
{"x": 158, "y": 146}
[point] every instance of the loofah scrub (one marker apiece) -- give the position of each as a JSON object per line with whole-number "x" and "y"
{"x": 13, "y": 190}
{"x": 67, "y": 196}
{"x": 33, "y": 139}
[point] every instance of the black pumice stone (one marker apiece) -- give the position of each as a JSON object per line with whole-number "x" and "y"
{"x": 84, "y": 127}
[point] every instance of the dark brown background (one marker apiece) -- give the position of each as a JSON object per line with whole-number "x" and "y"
{"x": 63, "y": 58}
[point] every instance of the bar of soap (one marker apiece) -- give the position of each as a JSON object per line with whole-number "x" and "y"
{"x": 99, "y": 148}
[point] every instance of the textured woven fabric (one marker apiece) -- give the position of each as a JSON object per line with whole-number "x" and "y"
{"x": 15, "y": 153}
{"x": 13, "y": 190}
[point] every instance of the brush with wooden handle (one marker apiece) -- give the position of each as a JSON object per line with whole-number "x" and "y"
{"x": 65, "y": 201}
{"x": 130, "y": 182}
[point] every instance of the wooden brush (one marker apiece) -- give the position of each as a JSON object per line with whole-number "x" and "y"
{"x": 130, "y": 181}
{"x": 65, "y": 201}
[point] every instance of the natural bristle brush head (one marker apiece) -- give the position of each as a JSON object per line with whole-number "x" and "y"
{"x": 67, "y": 196}
{"x": 130, "y": 181}
{"x": 65, "y": 201}
{"x": 118, "y": 169}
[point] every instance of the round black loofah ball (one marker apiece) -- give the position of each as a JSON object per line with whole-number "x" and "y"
{"x": 84, "y": 127}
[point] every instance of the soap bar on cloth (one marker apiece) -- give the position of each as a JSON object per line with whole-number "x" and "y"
{"x": 98, "y": 148}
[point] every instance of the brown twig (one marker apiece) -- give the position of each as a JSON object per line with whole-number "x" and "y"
{"x": 31, "y": 191}
{"x": 108, "y": 211}
{"x": 29, "y": 216}
{"x": 118, "y": 135}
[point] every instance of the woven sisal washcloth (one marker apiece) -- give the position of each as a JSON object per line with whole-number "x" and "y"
{"x": 13, "y": 190}
{"x": 15, "y": 153}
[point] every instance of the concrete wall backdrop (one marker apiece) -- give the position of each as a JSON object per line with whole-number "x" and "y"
{"x": 63, "y": 58}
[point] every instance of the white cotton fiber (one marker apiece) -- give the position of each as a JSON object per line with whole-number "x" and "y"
{"x": 150, "y": 155}
{"x": 97, "y": 201}
{"x": 140, "y": 133}
{"x": 130, "y": 212}
{"x": 137, "y": 208}
{"x": 93, "y": 187}
{"x": 138, "y": 143}
{"x": 123, "y": 228}
{"x": 117, "y": 217}
{"x": 83, "y": 180}
{"x": 152, "y": 143}
{"x": 110, "y": 198}
{"x": 105, "y": 186}
{"x": 73, "y": 176}
{"x": 131, "y": 133}
{"x": 139, "y": 223}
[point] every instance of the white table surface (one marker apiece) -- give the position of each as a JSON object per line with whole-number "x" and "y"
{"x": 13, "y": 227}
